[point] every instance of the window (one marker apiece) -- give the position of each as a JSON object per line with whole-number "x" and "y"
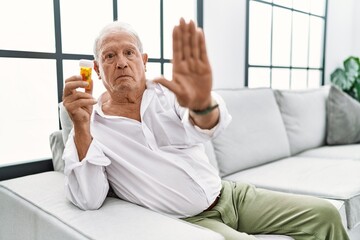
{"x": 40, "y": 45}
{"x": 285, "y": 43}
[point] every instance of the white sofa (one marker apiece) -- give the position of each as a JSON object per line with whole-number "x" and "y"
{"x": 277, "y": 140}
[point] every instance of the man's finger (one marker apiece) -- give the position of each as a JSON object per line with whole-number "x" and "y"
{"x": 73, "y": 106}
{"x": 185, "y": 39}
{"x": 171, "y": 85}
{"x": 89, "y": 89}
{"x": 71, "y": 86}
{"x": 195, "y": 51}
{"x": 78, "y": 95}
{"x": 177, "y": 45}
{"x": 202, "y": 46}
{"x": 73, "y": 78}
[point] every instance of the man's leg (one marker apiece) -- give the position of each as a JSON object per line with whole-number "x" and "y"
{"x": 213, "y": 222}
{"x": 301, "y": 217}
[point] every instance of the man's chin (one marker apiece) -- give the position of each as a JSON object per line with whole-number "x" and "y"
{"x": 122, "y": 88}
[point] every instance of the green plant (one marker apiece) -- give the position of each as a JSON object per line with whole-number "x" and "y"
{"x": 348, "y": 78}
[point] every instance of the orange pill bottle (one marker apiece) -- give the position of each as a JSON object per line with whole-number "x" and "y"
{"x": 86, "y": 67}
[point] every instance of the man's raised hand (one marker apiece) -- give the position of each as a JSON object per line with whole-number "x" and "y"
{"x": 192, "y": 76}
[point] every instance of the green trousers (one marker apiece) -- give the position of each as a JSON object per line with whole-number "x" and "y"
{"x": 244, "y": 210}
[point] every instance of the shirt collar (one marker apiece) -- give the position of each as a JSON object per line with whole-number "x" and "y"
{"x": 151, "y": 87}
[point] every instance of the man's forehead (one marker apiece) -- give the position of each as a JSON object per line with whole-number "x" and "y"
{"x": 118, "y": 38}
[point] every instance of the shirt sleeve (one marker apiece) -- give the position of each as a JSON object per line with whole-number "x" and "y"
{"x": 86, "y": 183}
{"x": 202, "y": 135}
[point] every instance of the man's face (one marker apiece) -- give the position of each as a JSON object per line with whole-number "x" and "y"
{"x": 121, "y": 66}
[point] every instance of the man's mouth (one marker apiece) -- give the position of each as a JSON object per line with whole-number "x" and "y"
{"x": 123, "y": 77}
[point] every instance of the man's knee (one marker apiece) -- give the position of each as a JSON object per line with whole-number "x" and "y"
{"x": 326, "y": 212}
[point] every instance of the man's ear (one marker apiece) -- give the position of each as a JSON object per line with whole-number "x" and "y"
{"x": 96, "y": 68}
{"x": 145, "y": 58}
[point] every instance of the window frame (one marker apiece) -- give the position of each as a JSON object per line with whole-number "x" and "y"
{"x": 290, "y": 68}
{"x": 20, "y": 168}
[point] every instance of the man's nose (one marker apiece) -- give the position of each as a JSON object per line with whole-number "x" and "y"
{"x": 121, "y": 63}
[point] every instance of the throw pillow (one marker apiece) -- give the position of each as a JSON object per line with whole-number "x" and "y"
{"x": 304, "y": 116}
{"x": 57, "y": 149}
{"x": 66, "y": 122}
{"x": 343, "y": 118}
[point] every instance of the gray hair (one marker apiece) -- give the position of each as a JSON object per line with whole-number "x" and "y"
{"x": 116, "y": 26}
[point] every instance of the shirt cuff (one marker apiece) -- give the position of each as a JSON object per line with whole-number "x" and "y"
{"x": 94, "y": 156}
{"x": 208, "y": 132}
{"x": 224, "y": 118}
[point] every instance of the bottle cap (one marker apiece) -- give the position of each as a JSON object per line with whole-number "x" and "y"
{"x": 86, "y": 63}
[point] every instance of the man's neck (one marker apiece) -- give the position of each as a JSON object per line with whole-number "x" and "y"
{"x": 124, "y": 106}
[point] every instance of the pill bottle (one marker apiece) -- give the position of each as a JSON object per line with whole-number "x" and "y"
{"x": 86, "y": 67}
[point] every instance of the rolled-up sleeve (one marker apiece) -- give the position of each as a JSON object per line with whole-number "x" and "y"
{"x": 201, "y": 135}
{"x": 86, "y": 183}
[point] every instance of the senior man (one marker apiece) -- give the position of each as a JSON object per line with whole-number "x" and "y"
{"x": 144, "y": 139}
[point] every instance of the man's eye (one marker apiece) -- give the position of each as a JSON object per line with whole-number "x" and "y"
{"x": 129, "y": 52}
{"x": 109, "y": 56}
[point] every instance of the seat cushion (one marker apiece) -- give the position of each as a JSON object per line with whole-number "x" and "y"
{"x": 304, "y": 115}
{"x": 336, "y": 179}
{"x": 272, "y": 237}
{"x": 35, "y": 207}
{"x": 351, "y": 151}
{"x": 340, "y": 206}
{"x": 256, "y": 134}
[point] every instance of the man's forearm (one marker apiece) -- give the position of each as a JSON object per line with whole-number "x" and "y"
{"x": 82, "y": 139}
{"x": 206, "y": 121}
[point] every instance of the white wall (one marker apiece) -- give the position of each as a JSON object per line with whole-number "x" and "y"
{"x": 343, "y": 33}
{"x": 225, "y": 31}
{"x": 224, "y": 26}
{"x": 356, "y": 42}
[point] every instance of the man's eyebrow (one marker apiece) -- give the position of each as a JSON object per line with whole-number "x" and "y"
{"x": 115, "y": 45}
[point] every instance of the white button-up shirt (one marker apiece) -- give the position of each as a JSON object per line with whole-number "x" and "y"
{"x": 158, "y": 163}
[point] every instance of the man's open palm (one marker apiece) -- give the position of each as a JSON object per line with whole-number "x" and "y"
{"x": 192, "y": 76}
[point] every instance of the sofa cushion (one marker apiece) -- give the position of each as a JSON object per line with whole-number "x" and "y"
{"x": 272, "y": 237}
{"x": 350, "y": 151}
{"x": 343, "y": 118}
{"x": 328, "y": 178}
{"x": 57, "y": 149}
{"x": 340, "y": 206}
{"x": 304, "y": 115}
{"x": 39, "y": 203}
{"x": 66, "y": 123}
{"x": 256, "y": 134}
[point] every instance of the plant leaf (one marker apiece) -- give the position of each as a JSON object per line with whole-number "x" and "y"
{"x": 352, "y": 68}
{"x": 339, "y": 78}
{"x": 357, "y": 88}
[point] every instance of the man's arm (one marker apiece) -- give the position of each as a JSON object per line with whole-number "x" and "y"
{"x": 86, "y": 182}
{"x": 79, "y": 106}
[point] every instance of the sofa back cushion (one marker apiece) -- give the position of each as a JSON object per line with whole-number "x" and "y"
{"x": 304, "y": 115}
{"x": 256, "y": 134}
{"x": 57, "y": 149}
